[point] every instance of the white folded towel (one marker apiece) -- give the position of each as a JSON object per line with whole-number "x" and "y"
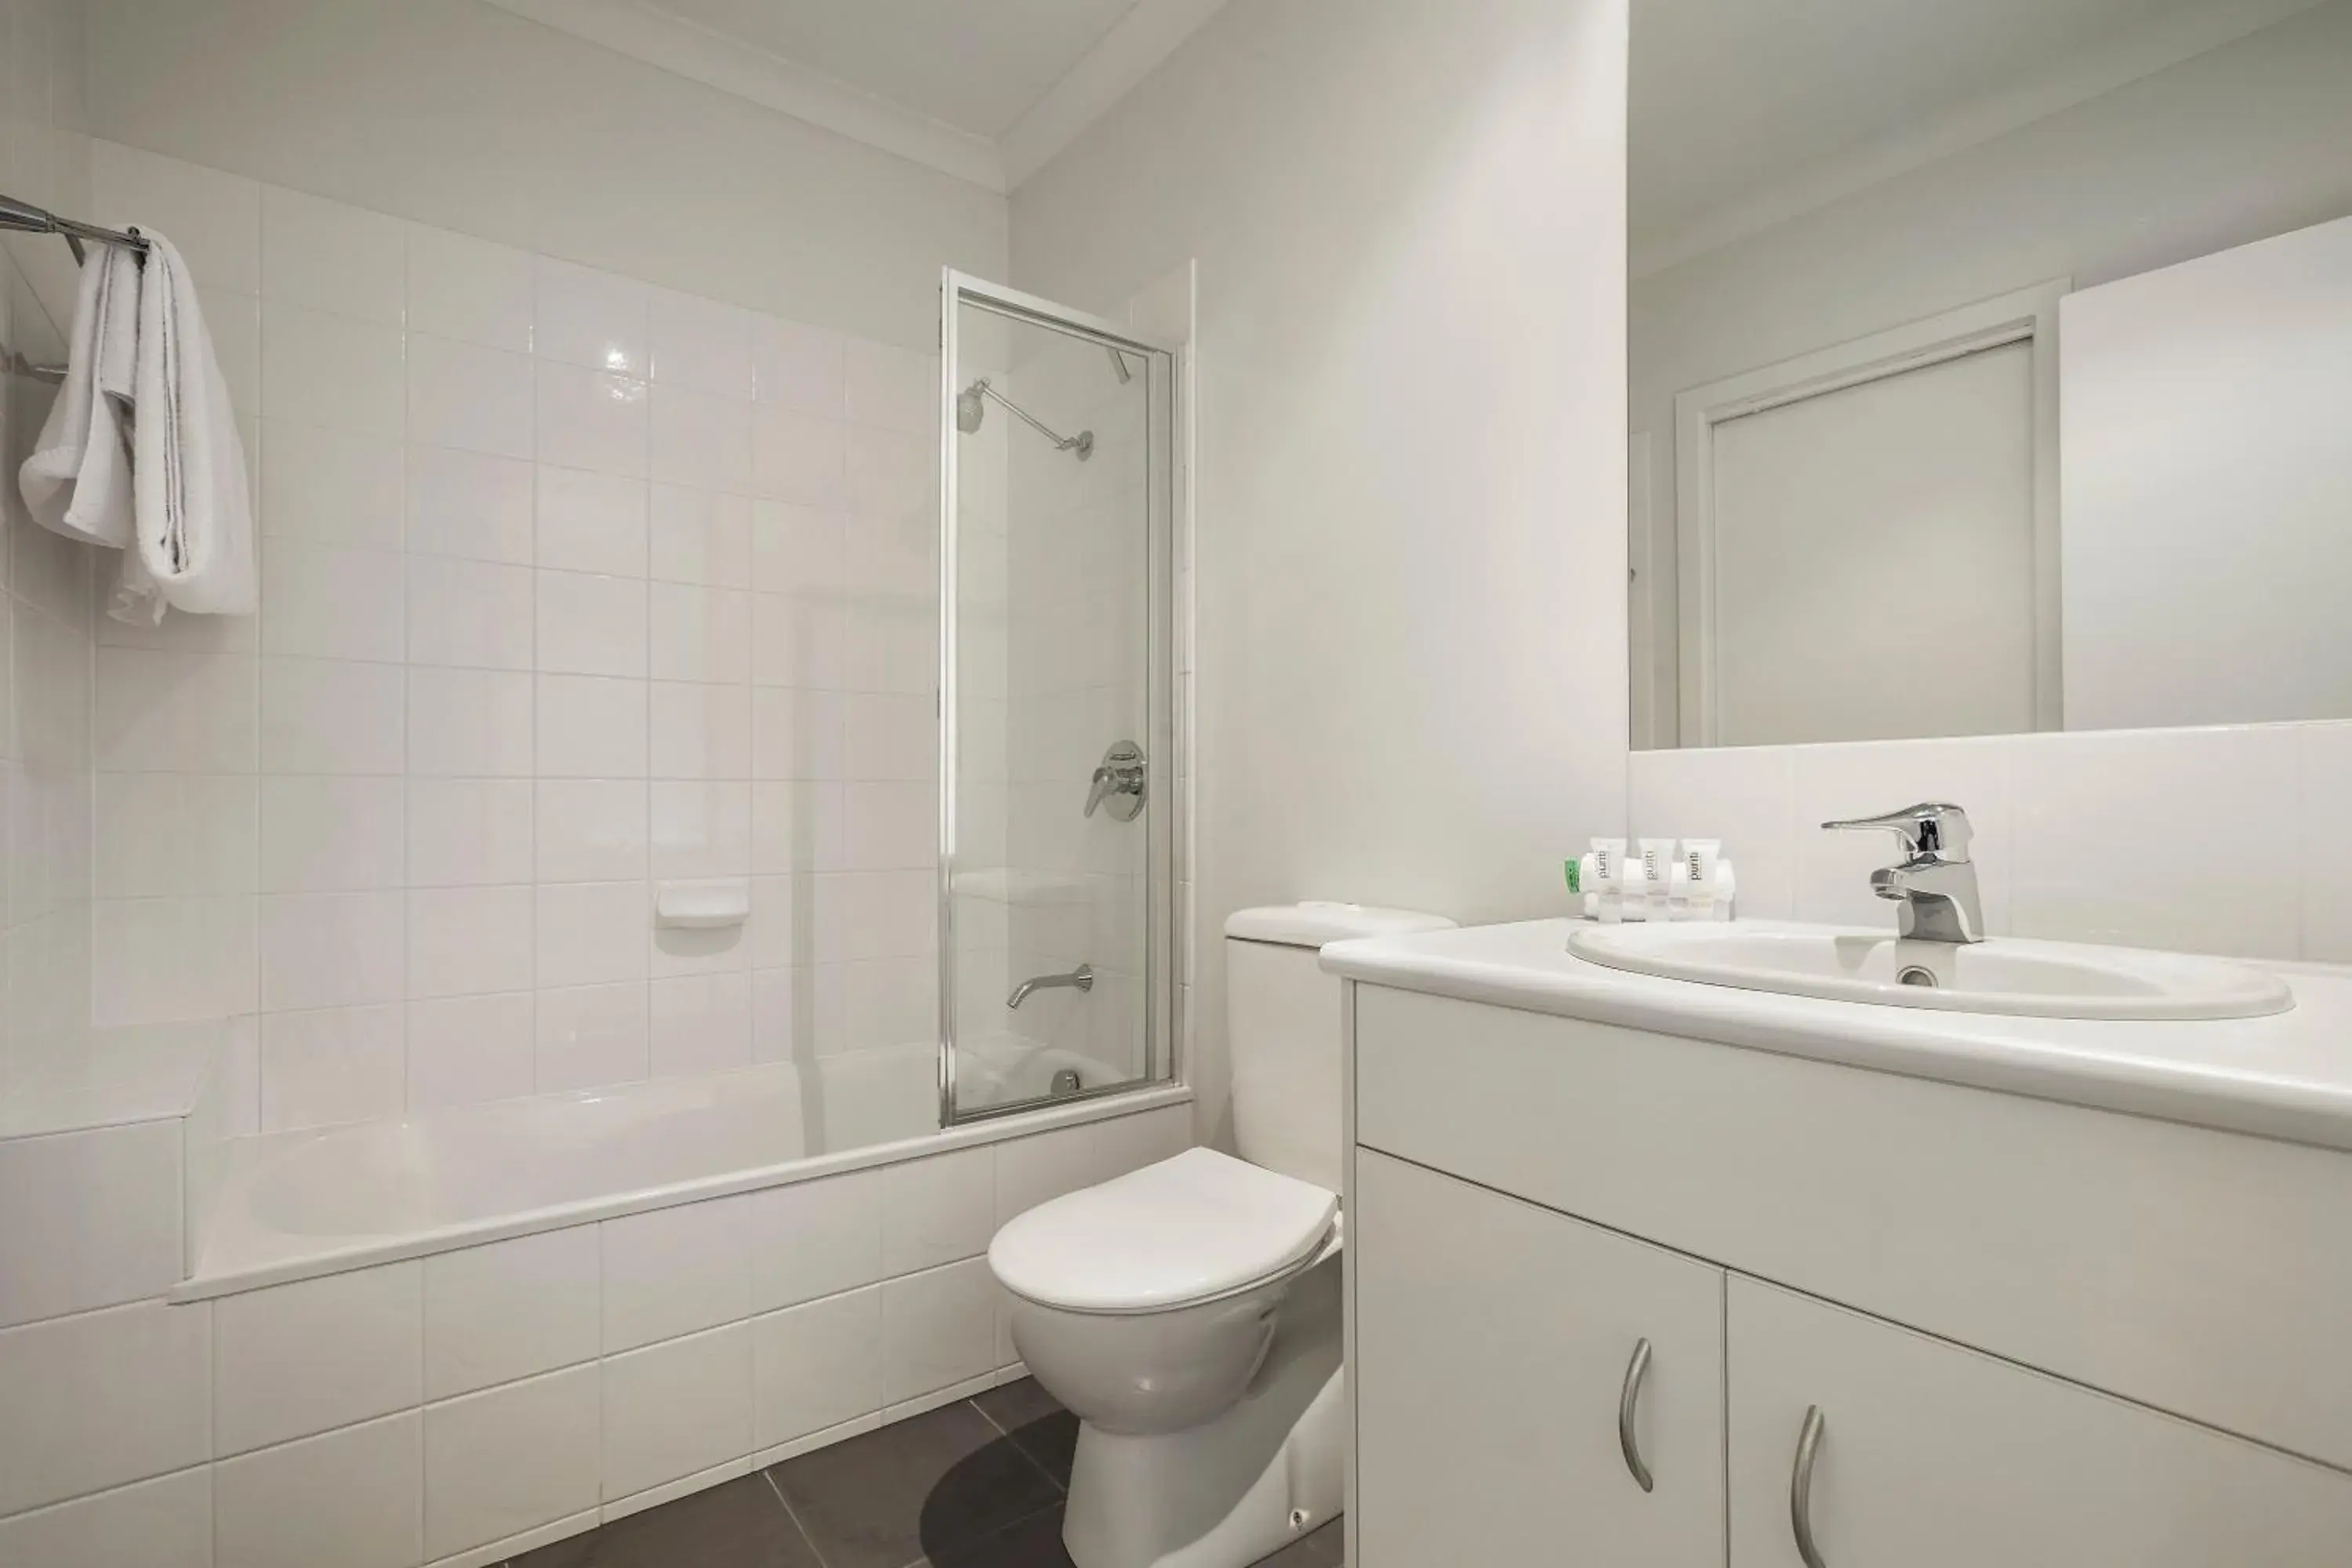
{"x": 77, "y": 480}
{"x": 193, "y": 535}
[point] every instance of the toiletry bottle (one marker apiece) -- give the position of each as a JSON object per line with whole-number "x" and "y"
{"x": 1609, "y": 878}
{"x": 1697, "y": 863}
{"x": 1657, "y": 859}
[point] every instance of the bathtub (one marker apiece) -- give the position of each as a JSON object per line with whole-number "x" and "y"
{"x": 292, "y": 1206}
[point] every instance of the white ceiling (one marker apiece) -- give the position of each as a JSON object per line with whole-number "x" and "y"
{"x": 1744, "y": 114}
{"x": 989, "y": 92}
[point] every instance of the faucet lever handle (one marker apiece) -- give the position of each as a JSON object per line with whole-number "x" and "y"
{"x": 1933, "y": 830}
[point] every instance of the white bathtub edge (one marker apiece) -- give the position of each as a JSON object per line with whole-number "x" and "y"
{"x": 202, "y": 1286}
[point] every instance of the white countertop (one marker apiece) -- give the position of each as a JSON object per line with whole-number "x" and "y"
{"x": 2285, "y": 1075}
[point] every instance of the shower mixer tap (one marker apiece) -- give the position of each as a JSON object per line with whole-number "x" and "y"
{"x": 1120, "y": 782}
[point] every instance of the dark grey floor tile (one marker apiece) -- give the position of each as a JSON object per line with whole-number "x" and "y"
{"x": 1036, "y": 1421}
{"x": 1326, "y": 1548}
{"x": 741, "y": 1524}
{"x": 1035, "y": 1543}
{"x": 940, "y": 1482}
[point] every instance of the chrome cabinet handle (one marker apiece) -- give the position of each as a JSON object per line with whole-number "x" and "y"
{"x": 1801, "y": 1488}
{"x": 1627, "y": 1400}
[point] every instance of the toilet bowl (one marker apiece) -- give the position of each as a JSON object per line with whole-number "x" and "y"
{"x": 1189, "y": 1314}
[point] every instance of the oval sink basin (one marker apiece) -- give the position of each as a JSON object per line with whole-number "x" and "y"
{"x": 2004, "y": 975}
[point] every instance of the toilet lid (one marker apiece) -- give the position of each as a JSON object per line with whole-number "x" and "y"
{"x": 1196, "y": 1226}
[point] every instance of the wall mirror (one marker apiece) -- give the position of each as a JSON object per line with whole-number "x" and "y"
{"x": 1991, "y": 366}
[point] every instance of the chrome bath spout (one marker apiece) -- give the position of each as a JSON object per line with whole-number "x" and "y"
{"x": 1082, "y": 978}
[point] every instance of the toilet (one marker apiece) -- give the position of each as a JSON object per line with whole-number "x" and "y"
{"x": 1189, "y": 1314}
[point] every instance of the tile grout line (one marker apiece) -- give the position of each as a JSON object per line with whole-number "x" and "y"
{"x": 1014, "y": 1443}
{"x": 768, "y": 1476}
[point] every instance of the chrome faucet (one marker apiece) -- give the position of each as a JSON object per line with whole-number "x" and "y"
{"x": 1935, "y": 882}
{"x": 1082, "y": 978}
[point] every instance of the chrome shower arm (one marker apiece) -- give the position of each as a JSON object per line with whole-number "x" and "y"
{"x": 1083, "y": 443}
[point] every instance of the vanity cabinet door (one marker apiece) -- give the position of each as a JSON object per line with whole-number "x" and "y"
{"x": 1930, "y": 1455}
{"x": 1493, "y": 1345}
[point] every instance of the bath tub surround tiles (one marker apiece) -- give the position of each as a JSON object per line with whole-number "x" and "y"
{"x": 505, "y": 1461}
{"x": 102, "y": 1399}
{"x": 816, "y": 1366}
{"x": 937, "y": 1209}
{"x": 88, "y": 1219}
{"x": 675, "y": 1408}
{"x": 350, "y": 1497}
{"x": 938, "y": 1329}
{"x": 811, "y": 1239}
{"x": 672, "y": 1271}
{"x": 524, "y": 524}
{"x": 305, "y": 1358}
{"x": 163, "y": 1524}
{"x": 511, "y": 1309}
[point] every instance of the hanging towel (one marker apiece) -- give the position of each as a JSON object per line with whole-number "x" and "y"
{"x": 192, "y": 545}
{"x": 77, "y": 480}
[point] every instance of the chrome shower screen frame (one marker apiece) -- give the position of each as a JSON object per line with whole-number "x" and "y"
{"x": 1163, "y": 386}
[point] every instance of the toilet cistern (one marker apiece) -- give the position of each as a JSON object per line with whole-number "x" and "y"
{"x": 1934, "y": 883}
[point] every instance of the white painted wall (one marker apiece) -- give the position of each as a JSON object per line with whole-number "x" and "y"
{"x": 1409, "y": 506}
{"x": 2232, "y": 146}
{"x": 2208, "y": 487}
{"x": 455, "y": 113}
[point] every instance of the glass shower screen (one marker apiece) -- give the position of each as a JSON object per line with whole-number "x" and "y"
{"x": 1057, "y": 797}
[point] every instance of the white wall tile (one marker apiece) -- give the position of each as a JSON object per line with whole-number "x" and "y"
{"x": 469, "y": 397}
{"x": 797, "y": 367}
{"x": 330, "y": 601}
{"x": 2229, "y": 787}
{"x": 591, "y": 626}
{"x": 939, "y": 1209}
{"x": 891, "y": 736}
{"x": 1835, "y": 783}
{"x": 700, "y": 634}
{"x": 155, "y": 958}
{"x": 466, "y": 1049}
{"x": 591, "y": 522}
{"x": 673, "y": 1271}
{"x": 888, "y": 474}
{"x": 591, "y": 830}
{"x": 499, "y": 1463}
{"x": 163, "y": 1524}
{"x": 1037, "y": 1169}
{"x": 591, "y": 727}
{"x": 331, "y": 485}
{"x": 699, "y": 731}
{"x": 2324, "y": 777}
{"x": 336, "y": 1064}
{"x": 158, "y": 711}
{"x": 469, "y": 940}
{"x": 796, "y": 734}
{"x": 699, "y": 1024}
{"x": 1742, "y": 796}
{"x": 88, "y": 1219}
{"x": 175, "y": 835}
{"x": 891, "y": 387}
{"x": 331, "y": 835}
{"x": 510, "y": 1310}
{"x": 588, "y": 420}
{"x": 816, "y": 1366}
{"x": 297, "y": 1359}
{"x": 591, "y": 1034}
{"x": 938, "y": 1329}
{"x": 470, "y": 505}
{"x": 476, "y": 614}
{"x": 798, "y": 826}
{"x": 700, "y": 536}
{"x": 890, "y": 826}
{"x": 326, "y": 716}
{"x": 468, "y": 832}
{"x": 352, "y": 1497}
{"x": 470, "y": 723}
{"x": 1128, "y": 1143}
{"x": 701, "y": 440}
{"x": 798, "y": 457}
{"x": 332, "y": 256}
{"x": 701, "y": 830}
{"x": 331, "y": 949}
{"x": 103, "y": 1398}
{"x": 214, "y": 217}
{"x": 816, "y": 1238}
{"x": 590, "y": 317}
{"x": 469, "y": 290}
{"x": 701, "y": 344}
{"x": 332, "y": 371}
{"x": 675, "y": 1408}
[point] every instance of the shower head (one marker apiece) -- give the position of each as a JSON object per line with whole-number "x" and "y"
{"x": 970, "y": 409}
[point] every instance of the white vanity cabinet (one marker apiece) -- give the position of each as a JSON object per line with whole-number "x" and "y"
{"x": 1499, "y": 1396}
{"x": 2037, "y": 1333}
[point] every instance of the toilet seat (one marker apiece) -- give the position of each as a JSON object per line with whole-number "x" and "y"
{"x": 1184, "y": 1231}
